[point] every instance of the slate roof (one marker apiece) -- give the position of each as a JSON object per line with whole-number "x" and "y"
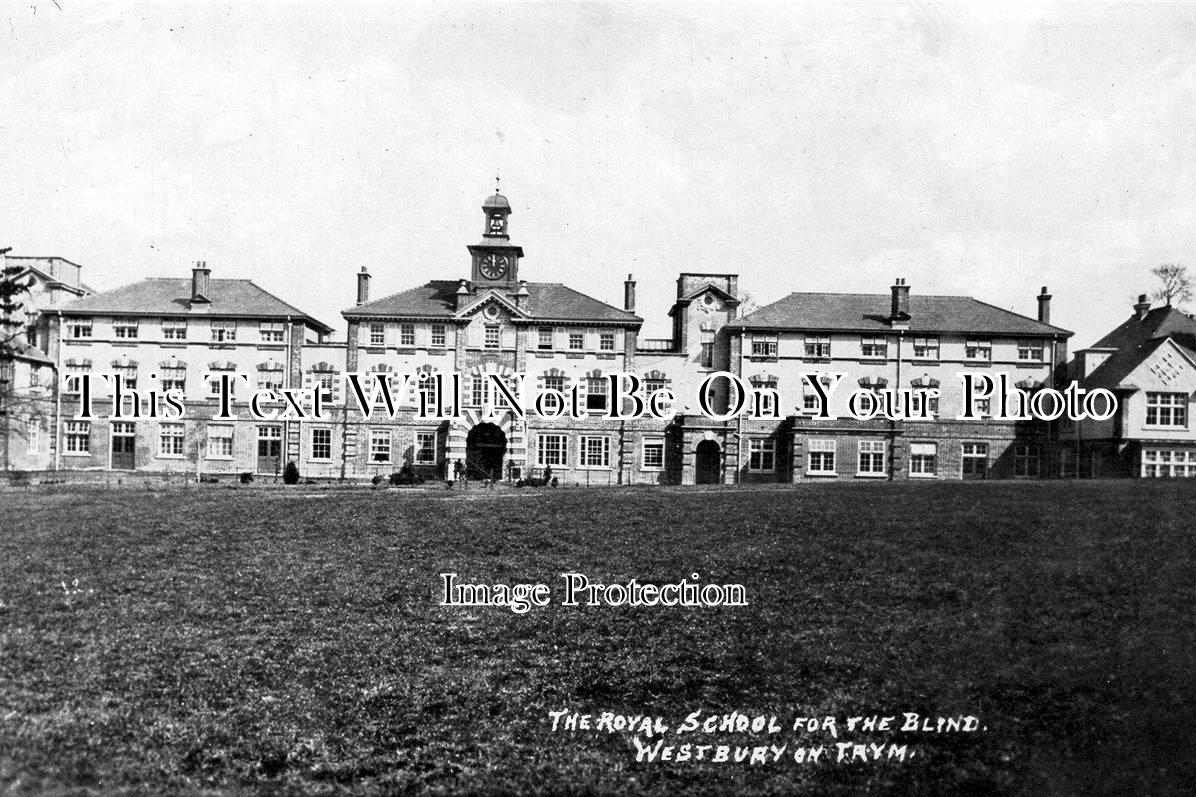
{"x": 862, "y": 312}
{"x": 166, "y": 296}
{"x": 548, "y": 301}
{"x": 1160, "y": 322}
{"x": 23, "y": 351}
{"x": 1135, "y": 340}
{"x": 45, "y": 268}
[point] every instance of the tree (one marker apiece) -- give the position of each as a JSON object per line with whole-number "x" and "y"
{"x": 747, "y": 303}
{"x": 14, "y": 287}
{"x": 12, "y": 307}
{"x": 1175, "y": 286}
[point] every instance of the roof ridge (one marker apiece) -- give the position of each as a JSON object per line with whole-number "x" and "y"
{"x": 282, "y": 302}
{"x": 588, "y": 296}
{"x": 1019, "y": 315}
{"x": 396, "y": 293}
{"x": 261, "y": 303}
{"x": 43, "y": 257}
{"x": 121, "y": 287}
{"x": 885, "y": 295}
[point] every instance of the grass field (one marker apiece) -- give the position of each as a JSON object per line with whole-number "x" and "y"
{"x": 288, "y": 641}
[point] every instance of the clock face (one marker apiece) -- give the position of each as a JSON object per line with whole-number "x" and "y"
{"x": 494, "y": 266}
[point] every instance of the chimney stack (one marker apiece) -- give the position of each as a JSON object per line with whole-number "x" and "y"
{"x": 363, "y": 286}
{"x": 1142, "y": 307}
{"x": 1044, "y": 307}
{"x": 199, "y": 281}
{"x": 629, "y": 294}
{"x": 900, "y": 309}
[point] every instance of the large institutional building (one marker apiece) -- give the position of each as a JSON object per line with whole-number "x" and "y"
{"x": 1149, "y": 363}
{"x": 490, "y": 318}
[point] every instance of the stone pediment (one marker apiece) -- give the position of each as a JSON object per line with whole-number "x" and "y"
{"x": 492, "y": 298}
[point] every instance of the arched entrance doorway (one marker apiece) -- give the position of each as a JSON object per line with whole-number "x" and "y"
{"x": 484, "y": 450}
{"x": 708, "y": 467}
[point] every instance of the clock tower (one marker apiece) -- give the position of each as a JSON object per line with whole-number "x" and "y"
{"x": 495, "y": 259}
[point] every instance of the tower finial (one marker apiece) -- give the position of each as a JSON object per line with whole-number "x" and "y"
{"x": 496, "y": 184}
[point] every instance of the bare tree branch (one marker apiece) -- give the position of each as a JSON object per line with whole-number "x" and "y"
{"x": 1175, "y": 286}
{"x": 747, "y": 303}
{"x": 18, "y": 402}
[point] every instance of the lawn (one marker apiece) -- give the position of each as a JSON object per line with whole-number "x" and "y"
{"x": 290, "y": 640}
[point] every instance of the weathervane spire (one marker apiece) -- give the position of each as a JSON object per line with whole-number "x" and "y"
{"x": 496, "y": 184}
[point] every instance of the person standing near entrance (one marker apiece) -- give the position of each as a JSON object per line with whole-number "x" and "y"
{"x": 459, "y": 474}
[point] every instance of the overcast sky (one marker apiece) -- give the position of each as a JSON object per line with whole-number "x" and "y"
{"x": 974, "y": 150}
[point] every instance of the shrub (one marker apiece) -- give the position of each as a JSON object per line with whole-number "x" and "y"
{"x": 405, "y": 476}
{"x": 290, "y": 474}
{"x": 376, "y": 480}
{"x": 246, "y": 478}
